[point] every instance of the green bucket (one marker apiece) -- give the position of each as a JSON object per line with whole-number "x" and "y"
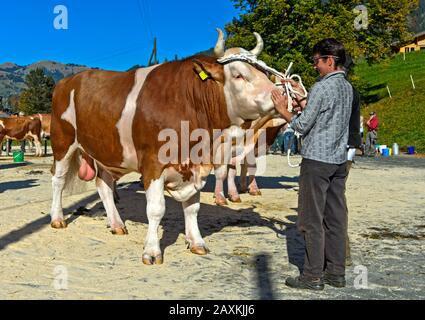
{"x": 18, "y": 156}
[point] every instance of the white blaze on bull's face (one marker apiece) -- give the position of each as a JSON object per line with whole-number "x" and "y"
{"x": 247, "y": 90}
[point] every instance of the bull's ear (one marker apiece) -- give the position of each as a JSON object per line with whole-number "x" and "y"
{"x": 207, "y": 70}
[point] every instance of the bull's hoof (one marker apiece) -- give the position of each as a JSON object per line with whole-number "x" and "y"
{"x": 221, "y": 202}
{"x": 255, "y": 193}
{"x": 120, "y": 231}
{"x": 199, "y": 250}
{"x": 150, "y": 260}
{"x": 58, "y": 224}
{"x": 235, "y": 199}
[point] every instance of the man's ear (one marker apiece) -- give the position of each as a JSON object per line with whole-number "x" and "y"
{"x": 207, "y": 70}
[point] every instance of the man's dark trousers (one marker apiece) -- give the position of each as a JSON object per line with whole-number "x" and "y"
{"x": 322, "y": 217}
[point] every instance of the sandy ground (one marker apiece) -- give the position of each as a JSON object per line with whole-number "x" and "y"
{"x": 254, "y": 245}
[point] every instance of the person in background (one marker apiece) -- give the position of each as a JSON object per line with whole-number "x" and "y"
{"x": 289, "y": 141}
{"x": 277, "y": 146}
{"x": 372, "y": 134}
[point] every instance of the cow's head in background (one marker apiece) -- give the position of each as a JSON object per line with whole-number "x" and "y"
{"x": 247, "y": 89}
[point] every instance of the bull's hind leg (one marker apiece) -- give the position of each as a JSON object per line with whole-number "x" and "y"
{"x": 252, "y": 186}
{"x": 105, "y": 187}
{"x": 61, "y": 169}
{"x": 231, "y": 184}
{"x": 220, "y": 173}
{"x": 155, "y": 209}
{"x": 193, "y": 235}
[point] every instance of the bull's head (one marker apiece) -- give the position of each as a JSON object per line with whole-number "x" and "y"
{"x": 246, "y": 88}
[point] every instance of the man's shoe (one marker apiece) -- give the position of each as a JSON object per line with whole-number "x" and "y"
{"x": 334, "y": 280}
{"x": 304, "y": 283}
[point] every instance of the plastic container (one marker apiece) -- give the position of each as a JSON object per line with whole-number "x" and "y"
{"x": 410, "y": 150}
{"x": 385, "y": 152}
{"x": 18, "y": 156}
{"x": 396, "y": 150}
{"x": 391, "y": 151}
{"x": 382, "y": 147}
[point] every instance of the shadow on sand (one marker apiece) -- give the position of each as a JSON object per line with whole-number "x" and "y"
{"x": 17, "y": 185}
{"x": 212, "y": 219}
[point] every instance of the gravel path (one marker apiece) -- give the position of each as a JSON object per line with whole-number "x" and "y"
{"x": 254, "y": 245}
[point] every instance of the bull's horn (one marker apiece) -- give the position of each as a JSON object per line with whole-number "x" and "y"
{"x": 260, "y": 45}
{"x": 219, "y": 47}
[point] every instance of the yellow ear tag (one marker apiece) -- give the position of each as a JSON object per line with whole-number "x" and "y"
{"x": 203, "y": 75}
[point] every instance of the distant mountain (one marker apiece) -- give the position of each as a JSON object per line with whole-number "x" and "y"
{"x": 12, "y": 76}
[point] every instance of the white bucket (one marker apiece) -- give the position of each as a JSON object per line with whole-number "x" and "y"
{"x": 396, "y": 152}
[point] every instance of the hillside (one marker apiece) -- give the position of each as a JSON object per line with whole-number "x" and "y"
{"x": 12, "y": 76}
{"x": 402, "y": 117}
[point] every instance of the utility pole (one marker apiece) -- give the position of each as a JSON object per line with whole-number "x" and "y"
{"x": 153, "y": 54}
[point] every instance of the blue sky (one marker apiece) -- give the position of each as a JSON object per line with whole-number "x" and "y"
{"x": 111, "y": 34}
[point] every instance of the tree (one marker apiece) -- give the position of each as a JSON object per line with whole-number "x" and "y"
{"x": 291, "y": 27}
{"x": 37, "y": 98}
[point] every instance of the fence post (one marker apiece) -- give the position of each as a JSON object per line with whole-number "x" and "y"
{"x": 389, "y": 92}
{"x": 413, "y": 83}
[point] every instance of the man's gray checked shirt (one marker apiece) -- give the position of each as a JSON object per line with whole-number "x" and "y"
{"x": 325, "y": 120}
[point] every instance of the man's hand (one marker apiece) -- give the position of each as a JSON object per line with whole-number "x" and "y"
{"x": 281, "y": 104}
{"x": 280, "y": 101}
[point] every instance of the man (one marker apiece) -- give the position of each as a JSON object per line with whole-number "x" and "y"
{"x": 324, "y": 122}
{"x": 372, "y": 134}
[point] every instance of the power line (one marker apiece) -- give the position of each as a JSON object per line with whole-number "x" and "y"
{"x": 113, "y": 54}
{"x": 143, "y": 17}
{"x": 149, "y": 15}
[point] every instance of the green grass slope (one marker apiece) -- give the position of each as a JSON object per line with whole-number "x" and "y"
{"x": 402, "y": 117}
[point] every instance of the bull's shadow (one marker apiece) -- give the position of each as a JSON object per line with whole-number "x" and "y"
{"x": 13, "y": 165}
{"x": 17, "y": 185}
{"x": 36, "y": 225}
{"x": 211, "y": 219}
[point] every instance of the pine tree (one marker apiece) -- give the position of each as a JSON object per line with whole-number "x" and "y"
{"x": 37, "y": 98}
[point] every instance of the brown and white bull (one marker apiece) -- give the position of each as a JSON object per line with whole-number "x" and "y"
{"x": 271, "y": 127}
{"x": 45, "y": 119}
{"x": 129, "y": 110}
{"x": 22, "y": 128}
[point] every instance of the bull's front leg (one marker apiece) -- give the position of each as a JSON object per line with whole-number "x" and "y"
{"x": 220, "y": 173}
{"x": 155, "y": 209}
{"x": 193, "y": 235}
